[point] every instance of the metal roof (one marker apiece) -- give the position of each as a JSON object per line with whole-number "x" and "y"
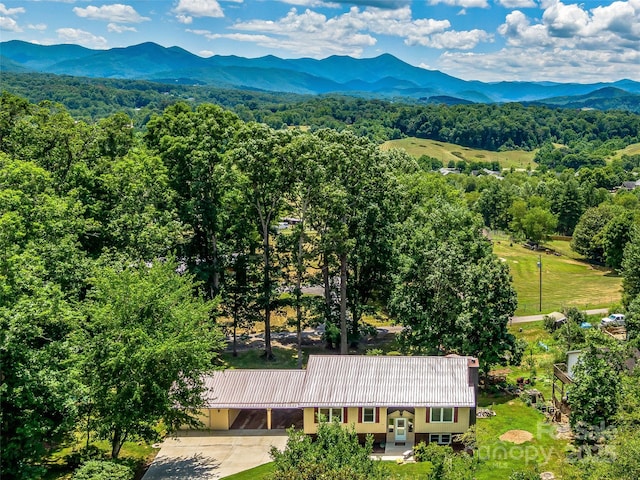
{"x": 347, "y": 381}
{"x": 334, "y": 380}
{"x": 253, "y": 388}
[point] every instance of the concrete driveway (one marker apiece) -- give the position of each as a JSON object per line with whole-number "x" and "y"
{"x": 212, "y": 455}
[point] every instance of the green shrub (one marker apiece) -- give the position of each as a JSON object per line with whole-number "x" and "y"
{"x": 531, "y": 474}
{"x": 103, "y": 470}
{"x": 78, "y": 457}
{"x": 432, "y": 452}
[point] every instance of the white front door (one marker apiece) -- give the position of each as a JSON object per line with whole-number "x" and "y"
{"x": 401, "y": 429}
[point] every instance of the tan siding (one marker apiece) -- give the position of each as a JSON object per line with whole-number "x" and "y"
{"x": 421, "y": 426}
{"x": 219, "y": 418}
{"x": 309, "y": 421}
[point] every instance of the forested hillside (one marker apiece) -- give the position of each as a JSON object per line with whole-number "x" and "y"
{"x": 127, "y": 252}
{"x": 490, "y": 127}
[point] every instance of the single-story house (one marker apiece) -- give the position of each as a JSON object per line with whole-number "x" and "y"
{"x": 397, "y": 399}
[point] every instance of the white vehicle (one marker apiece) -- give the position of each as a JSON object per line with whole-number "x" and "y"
{"x": 613, "y": 320}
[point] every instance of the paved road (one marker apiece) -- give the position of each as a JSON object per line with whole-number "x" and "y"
{"x": 310, "y": 335}
{"x": 534, "y": 318}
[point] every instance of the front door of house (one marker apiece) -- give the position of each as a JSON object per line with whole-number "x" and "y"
{"x": 401, "y": 429}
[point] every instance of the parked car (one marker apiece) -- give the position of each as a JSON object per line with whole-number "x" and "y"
{"x": 613, "y": 320}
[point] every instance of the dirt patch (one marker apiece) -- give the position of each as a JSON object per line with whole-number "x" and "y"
{"x": 516, "y": 436}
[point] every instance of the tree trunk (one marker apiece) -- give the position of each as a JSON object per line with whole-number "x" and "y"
{"x": 300, "y": 273}
{"x": 268, "y": 354}
{"x": 327, "y": 288}
{"x": 216, "y": 267}
{"x": 235, "y": 330}
{"x": 117, "y": 440}
{"x": 344, "y": 346}
{"x": 355, "y": 310}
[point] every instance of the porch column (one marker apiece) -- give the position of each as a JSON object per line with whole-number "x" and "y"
{"x": 268, "y": 419}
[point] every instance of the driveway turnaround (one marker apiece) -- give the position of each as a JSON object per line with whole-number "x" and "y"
{"x": 196, "y": 455}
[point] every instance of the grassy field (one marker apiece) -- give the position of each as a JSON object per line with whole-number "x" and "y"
{"x": 566, "y": 280}
{"x": 445, "y": 152}
{"x": 633, "y": 149}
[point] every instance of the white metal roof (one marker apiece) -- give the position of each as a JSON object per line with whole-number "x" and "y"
{"x": 334, "y": 380}
{"x": 347, "y": 380}
{"x": 254, "y": 388}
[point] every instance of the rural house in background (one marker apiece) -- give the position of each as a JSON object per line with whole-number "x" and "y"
{"x": 399, "y": 400}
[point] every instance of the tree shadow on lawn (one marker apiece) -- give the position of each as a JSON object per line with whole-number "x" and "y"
{"x": 487, "y": 399}
{"x": 182, "y": 468}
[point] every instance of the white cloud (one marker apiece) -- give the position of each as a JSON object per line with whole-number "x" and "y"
{"x": 569, "y": 41}
{"x": 10, "y": 11}
{"x": 517, "y": 3}
{"x": 116, "y": 13}
{"x": 9, "y": 24}
{"x": 571, "y": 26}
{"x": 462, "y": 3}
{"x": 519, "y": 31}
{"x": 313, "y": 34}
{"x": 81, "y": 37}
{"x": 185, "y": 19}
{"x": 40, "y": 27}
{"x": 309, "y": 33}
{"x": 312, "y": 3}
{"x": 543, "y": 65}
{"x": 198, "y": 8}
{"x": 115, "y": 28}
{"x": 206, "y": 53}
{"x": 564, "y": 21}
{"x": 457, "y": 40}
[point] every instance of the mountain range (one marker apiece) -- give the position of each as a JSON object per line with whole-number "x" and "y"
{"x": 384, "y": 76}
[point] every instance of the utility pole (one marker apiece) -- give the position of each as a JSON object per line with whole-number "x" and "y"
{"x": 540, "y": 268}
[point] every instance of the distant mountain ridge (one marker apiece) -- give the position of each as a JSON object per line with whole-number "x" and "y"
{"x": 384, "y": 76}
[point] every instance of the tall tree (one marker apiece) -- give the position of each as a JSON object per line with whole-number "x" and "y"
{"x": 586, "y": 239}
{"x": 595, "y": 392}
{"x": 451, "y": 293}
{"x": 38, "y": 385}
{"x": 298, "y": 245}
{"x": 138, "y": 210}
{"x": 568, "y": 207}
{"x": 193, "y": 145}
{"x": 147, "y": 342}
{"x": 266, "y": 177}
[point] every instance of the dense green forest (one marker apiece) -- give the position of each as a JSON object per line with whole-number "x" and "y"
{"x": 129, "y": 253}
{"x": 491, "y": 127}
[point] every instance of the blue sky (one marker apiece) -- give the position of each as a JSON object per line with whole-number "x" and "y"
{"x": 488, "y": 40}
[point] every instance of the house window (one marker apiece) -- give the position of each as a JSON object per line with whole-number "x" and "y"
{"x": 440, "y": 438}
{"x": 442, "y": 415}
{"x": 330, "y": 414}
{"x": 368, "y": 415}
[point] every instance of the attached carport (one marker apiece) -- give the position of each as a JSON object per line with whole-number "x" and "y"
{"x": 252, "y": 399}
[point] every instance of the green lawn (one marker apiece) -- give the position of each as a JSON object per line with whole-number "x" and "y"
{"x": 499, "y": 458}
{"x": 566, "y": 281}
{"x": 136, "y": 454}
{"x": 445, "y": 152}
{"x": 404, "y": 471}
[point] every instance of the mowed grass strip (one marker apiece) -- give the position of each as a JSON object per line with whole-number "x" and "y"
{"x": 565, "y": 281}
{"x": 404, "y": 471}
{"x": 445, "y": 152}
